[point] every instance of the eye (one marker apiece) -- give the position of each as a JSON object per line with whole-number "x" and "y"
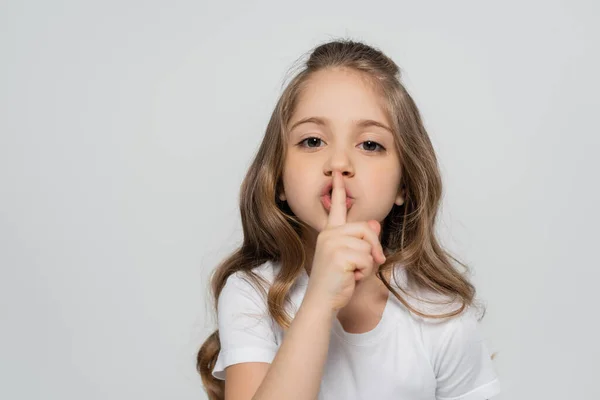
{"x": 313, "y": 139}
{"x": 372, "y": 143}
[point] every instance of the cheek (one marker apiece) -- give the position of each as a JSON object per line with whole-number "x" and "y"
{"x": 384, "y": 182}
{"x": 293, "y": 180}
{"x": 296, "y": 179}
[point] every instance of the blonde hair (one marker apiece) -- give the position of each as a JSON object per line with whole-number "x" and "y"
{"x": 272, "y": 232}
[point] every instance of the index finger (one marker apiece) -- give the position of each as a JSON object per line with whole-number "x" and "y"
{"x": 338, "y": 211}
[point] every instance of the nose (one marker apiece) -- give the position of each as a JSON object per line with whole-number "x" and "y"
{"x": 339, "y": 161}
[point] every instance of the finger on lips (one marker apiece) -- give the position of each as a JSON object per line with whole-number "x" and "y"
{"x": 338, "y": 211}
{"x": 338, "y": 214}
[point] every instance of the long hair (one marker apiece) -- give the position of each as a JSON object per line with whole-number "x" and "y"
{"x": 272, "y": 232}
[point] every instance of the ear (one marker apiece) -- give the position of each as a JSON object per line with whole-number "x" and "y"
{"x": 400, "y": 196}
{"x": 279, "y": 189}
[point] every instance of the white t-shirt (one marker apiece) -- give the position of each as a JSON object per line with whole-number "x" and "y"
{"x": 403, "y": 357}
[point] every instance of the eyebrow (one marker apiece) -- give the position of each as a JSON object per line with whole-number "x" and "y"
{"x": 361, "y": 123}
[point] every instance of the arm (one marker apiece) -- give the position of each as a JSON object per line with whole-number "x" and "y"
{"x": 297, "y": 368}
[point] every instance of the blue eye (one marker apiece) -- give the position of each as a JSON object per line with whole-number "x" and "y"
{"x": 381, "y": 148}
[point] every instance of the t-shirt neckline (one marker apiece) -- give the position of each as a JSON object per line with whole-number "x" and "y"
{"x": 365, "y": 338}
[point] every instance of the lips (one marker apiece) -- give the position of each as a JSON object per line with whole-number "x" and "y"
{"x": 326, "y": 196}
{"x": 326, "y": 191}
{"x": 326, "y": 201}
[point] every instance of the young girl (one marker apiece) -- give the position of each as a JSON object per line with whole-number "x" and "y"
{"x": 340, "y": 289}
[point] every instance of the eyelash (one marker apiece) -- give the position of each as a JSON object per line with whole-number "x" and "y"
{"x": 314, "y": 137}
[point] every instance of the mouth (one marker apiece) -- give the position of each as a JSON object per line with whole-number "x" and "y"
{"x": 326, "y": 201}
{"x": 328, "y": 188}
{"x": 326, "y": 197}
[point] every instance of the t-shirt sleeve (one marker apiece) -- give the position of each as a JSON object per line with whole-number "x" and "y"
{"x": 461, "y": 361}
{"x": 245, "y": 326}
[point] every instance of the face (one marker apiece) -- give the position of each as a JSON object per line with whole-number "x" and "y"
{"x": 336, "y": 101}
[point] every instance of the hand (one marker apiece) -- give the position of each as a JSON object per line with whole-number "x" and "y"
{"x": 345, "y": 252}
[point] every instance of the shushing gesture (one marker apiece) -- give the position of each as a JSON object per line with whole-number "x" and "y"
{"x": 345, "y": 252}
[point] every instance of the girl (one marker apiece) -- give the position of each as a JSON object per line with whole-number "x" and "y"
{"x": 340, "y": 289}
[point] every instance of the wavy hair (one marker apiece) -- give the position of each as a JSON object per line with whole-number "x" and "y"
{"x": 271, "y": 232}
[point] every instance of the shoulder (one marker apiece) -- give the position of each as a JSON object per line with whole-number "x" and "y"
{"x": 459, "y": 356}
{"x": 265, "y": 271}
{"x": 459, "y": 331}
{"x": 455, "y": 346}
{"x": 262, "y": 275}
{"x": 243, "y": 301}
{"x": 249, "y": 285}
{"x": 247, "y": 333}
{"x": 425, "y": 300}
{"x": 454, "y": 334}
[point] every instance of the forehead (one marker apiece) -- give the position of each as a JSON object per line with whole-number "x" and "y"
{"x": 342, "y": 96}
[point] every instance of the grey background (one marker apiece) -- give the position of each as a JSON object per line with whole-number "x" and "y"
{"x": 126, "y": 128}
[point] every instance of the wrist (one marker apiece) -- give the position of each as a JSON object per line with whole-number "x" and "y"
{"x": 317, "y": 306}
